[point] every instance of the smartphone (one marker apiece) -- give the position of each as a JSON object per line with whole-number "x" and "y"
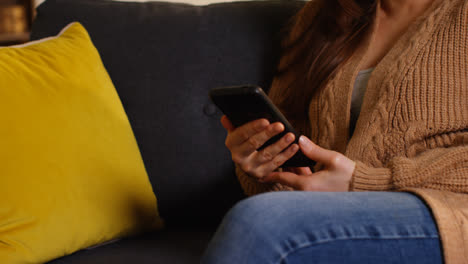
{"x": 242, "y": 104}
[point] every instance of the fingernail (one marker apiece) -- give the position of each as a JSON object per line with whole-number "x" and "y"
{"x": 262, "y": 124}
{"x": 279, "y": 128}
{"x": 294, "y": 148}
{"x": 289, "y": 138}
{"x": 305, "y": 142}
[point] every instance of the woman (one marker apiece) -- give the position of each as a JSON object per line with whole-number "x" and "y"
{"x": 379, "y": 89}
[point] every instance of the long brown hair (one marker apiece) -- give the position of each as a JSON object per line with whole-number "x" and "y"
{"x": 321, "y": 37}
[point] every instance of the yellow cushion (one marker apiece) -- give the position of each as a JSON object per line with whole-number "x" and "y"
{"x": 71, "y": 174}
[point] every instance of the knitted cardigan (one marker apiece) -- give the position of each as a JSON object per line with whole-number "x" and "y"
{"x": 412, "y": 132}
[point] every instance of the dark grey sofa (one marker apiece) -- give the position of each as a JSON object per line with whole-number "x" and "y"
{"x": 163, "y": 58}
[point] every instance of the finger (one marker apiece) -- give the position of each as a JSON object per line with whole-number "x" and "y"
{"x": 278, "y": 160}
{"x": 285, "y": 178}
{"x": 267, "y": 154}
{"x": 301, "y": 170}
{"x": 292, "y": 169}
{"x": 244, "y": 132}
{"x": 317, "y": 153}
{"x": 304, "y": 171}
{"x": 257, "y": 140}
{"x": 227, "y": 124}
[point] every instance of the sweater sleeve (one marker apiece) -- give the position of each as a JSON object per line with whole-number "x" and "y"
{"x": 439, "y": 169}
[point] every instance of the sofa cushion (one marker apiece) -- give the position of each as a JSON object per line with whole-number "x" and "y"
{"x": 71, "y": 174}
{"x": 163, "y": 59}
{"x": 167, "y": 246}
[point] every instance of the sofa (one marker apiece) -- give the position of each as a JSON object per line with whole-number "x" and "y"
{"x": 163, "y": 58}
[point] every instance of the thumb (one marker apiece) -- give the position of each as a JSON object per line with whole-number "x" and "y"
{"x": 315, "y": 152}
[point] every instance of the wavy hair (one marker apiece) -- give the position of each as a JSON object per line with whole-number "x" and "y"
{"x": 321, "y": 37}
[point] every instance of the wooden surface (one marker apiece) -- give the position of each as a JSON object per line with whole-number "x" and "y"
{"x": 18, "y": 37}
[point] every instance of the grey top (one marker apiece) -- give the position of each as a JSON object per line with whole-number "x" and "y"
{"x": 360, "y": 85}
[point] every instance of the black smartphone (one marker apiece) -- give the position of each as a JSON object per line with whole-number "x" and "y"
{"x": 242, "y": 104}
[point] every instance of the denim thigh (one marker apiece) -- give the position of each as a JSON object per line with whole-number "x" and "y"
{"x": 313, "y": 227}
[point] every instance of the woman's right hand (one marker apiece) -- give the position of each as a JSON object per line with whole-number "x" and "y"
{"x": 244, "y": 141}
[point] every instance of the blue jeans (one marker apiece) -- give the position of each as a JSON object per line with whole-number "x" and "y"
{"x": 311, "y": 227}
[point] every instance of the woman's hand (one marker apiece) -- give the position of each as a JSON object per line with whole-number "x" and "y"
{"x": 244, "y": 141}
{"x": 335, "y": 177}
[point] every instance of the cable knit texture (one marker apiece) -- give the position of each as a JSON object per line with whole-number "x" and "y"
{"x": 412, "y": 132}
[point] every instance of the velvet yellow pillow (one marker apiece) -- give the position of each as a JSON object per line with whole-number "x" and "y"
{"x": 71, "y": 174}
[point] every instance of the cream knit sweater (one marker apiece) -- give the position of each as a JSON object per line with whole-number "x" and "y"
{"x": 412, "y": 132}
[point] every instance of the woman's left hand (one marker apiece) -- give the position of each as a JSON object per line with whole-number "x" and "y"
{"x": 335, "y": 177}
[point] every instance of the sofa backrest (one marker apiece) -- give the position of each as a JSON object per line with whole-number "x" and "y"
{"x": 163, "y": 59}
